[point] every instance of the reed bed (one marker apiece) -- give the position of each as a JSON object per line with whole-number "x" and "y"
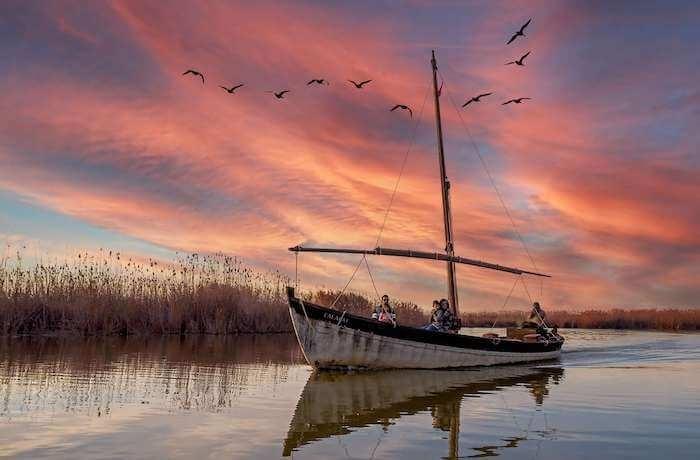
{"x": 616, "y": 318}
{"x": 108, "y": 294}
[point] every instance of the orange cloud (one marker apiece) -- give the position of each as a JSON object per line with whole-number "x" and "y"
{"x": 156, "y": 155}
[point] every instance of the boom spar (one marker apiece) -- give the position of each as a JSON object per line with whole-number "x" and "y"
{"x": 379, "y": 251}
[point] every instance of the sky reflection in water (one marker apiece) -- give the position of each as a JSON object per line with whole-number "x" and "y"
{"x": 613, "y": 395}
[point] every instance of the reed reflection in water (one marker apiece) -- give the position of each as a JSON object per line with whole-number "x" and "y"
{"x": 200, "y": 372}
{"x": 150, "y": 398}
{"x": 612, "y": 395}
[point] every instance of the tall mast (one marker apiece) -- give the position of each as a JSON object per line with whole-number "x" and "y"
{"x": 446, "y": 210}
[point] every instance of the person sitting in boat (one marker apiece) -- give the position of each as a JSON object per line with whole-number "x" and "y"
{"x": 441, "y": 318}
{"x": 536, "y": 318}
{"x": 434, "y": 312}
{"x": 449, "y": 321}
{"x": 384, "y": 312}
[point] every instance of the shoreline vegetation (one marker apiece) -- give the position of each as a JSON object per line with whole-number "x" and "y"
{"x": 107, "y": 294}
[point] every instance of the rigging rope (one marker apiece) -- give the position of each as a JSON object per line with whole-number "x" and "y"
{"x": 372, "y": 279}
{"x": 398, "y": 180}
{"x": 379, "y": 441}
{"x": 525, "y": 431}
{"x": 488, "y": 173}
{"x": 391, "y": 202}
{"x": 296, "y": 270}
{"x": 505, "y": 303}
{"x": 403, "y": 166}
{"x": 525, "y": 286}
{"x": 308, "y": 321}
{"x": 349, "y": 281}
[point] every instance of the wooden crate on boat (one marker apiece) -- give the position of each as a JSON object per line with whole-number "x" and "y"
{"x": 519, "y": 332}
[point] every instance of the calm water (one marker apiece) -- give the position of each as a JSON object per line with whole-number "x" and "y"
{"x": 612, "y": 395}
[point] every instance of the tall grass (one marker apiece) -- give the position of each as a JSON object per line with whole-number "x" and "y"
{"x": 641, "y": 319}
{"x": 107, "y": 294}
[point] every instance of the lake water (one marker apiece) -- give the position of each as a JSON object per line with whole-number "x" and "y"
{"x": 612, "y": 395}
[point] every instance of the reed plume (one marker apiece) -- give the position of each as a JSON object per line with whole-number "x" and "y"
{"x": 110, "y": 294}
{"x": 107, "y": 294}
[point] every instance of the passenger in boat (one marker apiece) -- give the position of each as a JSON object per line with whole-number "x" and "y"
{"x": 434, "y": 312}
{"x": 536, "y": 318}
{"x": 441, "y": 318}
{"x": 384, "y": 311}
{"x": 448, "y": 319}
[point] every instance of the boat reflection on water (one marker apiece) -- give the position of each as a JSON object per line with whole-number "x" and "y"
{"x": 335, "y": 403}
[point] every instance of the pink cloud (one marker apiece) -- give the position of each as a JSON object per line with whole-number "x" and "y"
{"x": 192, "y": 168}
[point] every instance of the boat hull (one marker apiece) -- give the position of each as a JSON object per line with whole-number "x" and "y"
{"x": 332, "y": 339}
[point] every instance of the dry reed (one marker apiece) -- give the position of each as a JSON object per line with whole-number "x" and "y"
{"x": 106, "y": 294}
{"x": 616, "y": 318}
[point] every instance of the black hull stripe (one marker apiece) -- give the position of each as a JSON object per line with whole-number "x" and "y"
{"x": 470, "y": 342}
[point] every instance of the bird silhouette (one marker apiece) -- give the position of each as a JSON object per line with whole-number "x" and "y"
{"x": 404, "y": 107}
{"x": 318, "y": 81}
{"x": 279, "y": 95}
{"x": 520, "y": 33}
{"x": 359, "y": 85}
{"x": 476, "y": 99}
{"x": 231, "y": 89}
{"x": 517, "y": 100}
{"x": 520, "y": 61}
{"x": 194, "y": 73}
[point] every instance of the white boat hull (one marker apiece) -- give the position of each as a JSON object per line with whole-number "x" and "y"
{"x": 329, "y": 345}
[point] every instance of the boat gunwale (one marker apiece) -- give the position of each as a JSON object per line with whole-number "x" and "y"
{"x": 459, "y": 341}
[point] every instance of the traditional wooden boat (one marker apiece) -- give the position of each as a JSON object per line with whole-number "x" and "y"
{"x": 336, "y": 403}
{"x": 333, "y": 338}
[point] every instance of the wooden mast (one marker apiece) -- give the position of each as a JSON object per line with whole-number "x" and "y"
{"x": 449, "y": 247}
{"x": 446, "y": 210}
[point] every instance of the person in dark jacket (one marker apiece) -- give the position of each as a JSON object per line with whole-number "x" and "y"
{"x": 441, "y": 319}
{"x": 537, "y": 317}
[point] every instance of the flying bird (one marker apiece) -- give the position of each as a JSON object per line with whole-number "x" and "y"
{"x": 359, "y": 85}
{"x": 476, "y": 99}
{"x": 520, "y": 61}
{"x": 231, "y": 89}
{"x": 279, "y": 95}
{"x": 194, "y": 73}
{"x": 517, "y": 100}
{"x": 404, "y": 107}
{"x": 318, "y": 81}
{"x": 520, "y": 33}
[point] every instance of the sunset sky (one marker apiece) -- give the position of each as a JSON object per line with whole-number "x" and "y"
{"x": 103, "y": 142}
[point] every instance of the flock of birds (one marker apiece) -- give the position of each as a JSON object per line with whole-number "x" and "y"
{"x": 361, "y": 84}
